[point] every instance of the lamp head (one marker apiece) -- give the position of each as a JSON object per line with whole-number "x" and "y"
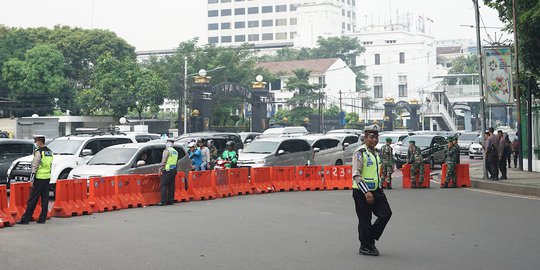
{"x": 202, "y": 72}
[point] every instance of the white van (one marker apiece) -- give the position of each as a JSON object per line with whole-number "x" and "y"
{"x": 284, "y": 131}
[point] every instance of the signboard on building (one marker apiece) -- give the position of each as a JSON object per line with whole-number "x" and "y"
{"x": 498, "y": 75}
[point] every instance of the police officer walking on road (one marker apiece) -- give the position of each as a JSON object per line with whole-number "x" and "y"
{"x": 451, "y": 162}
{"x": 168, "y": 173}
{"x": 414, "y": 157}
{"x": 40, "y": 178}
{"x": 387, "y": 163}
{"x": 368, "y": 195}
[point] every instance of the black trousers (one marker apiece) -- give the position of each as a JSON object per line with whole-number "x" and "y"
{"x": 502, "y": 166}
{"x": 516, "y": 155}
{"x": 367, "y": 232}
{"x": 167, "y": 186}
{"x": 493, "y": 163}
{"x": 40, "y": 189}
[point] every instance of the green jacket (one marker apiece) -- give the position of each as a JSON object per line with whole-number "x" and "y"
{"x": 230, "y": 156}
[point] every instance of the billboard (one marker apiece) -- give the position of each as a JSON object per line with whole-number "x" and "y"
{"x": 498, "y": 76}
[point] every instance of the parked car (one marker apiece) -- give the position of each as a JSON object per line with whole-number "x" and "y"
{"x": 397, "y": 139}
{"x": 346, "y": 131}
{"x": 276, "y": 151}
{"x": 284, "y": 131}
{"x": 350, "y": 143}
{"x": 433, "y": 149}
{"x": 69, "y": 152}
{"x": 230, "y": 136}
{"x": 10, "y": 150}
{"x": 475, "y": 149}
{"x": 141, "y": 137}
{"x": 132, "y": 158}
{"x": 248, "y": 137}
{"x": 327, "y": 150}
{"x": 466, "y": 139}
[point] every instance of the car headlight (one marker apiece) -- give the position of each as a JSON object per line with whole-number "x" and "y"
{"x": 260, "y": 161}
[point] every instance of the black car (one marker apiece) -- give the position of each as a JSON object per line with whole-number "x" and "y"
{"x": 433, "y": 149}
{"x": 230, "y": 136}
{"x": 10, "y": 150}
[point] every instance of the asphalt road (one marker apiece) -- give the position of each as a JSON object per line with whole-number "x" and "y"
{"x": 430, "y": 229}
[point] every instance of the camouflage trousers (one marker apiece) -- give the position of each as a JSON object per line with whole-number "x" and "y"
{"x": 387, "y": 170}
{"x": 417, "y": 168}
{"x": 451, "y": 173}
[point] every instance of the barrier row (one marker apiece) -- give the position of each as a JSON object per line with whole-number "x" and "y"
{"x": 75, "y": 197}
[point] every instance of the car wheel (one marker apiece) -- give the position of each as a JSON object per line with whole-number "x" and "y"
{"x": 339, "y": 162}
{"x": 431, "y": 163}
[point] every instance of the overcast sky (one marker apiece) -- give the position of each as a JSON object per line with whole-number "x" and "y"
{"x": 163, "y": 24}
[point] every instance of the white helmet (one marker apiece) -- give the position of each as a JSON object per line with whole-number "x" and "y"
{"x": 191, "y": 144}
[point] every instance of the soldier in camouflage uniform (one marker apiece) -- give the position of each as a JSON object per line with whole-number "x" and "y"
{"x": 387, "y": 163}
{"x": 452, "y": 157}
{"x": 414, "y": 157}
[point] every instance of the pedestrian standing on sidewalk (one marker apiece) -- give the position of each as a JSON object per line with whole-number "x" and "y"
{"x": 40, "y": 178}
{"x": 508, "y": 150}
{"x": 500, "y": 153}
{"x": 515, "y": 151}
{"x": 492, "y": 150}
{"x": 368, "y": 195}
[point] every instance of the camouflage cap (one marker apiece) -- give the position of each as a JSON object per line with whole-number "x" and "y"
{"x": 412, "y": 142}
{"x": 388, "y": 139}
{"x": 450, "y": 138}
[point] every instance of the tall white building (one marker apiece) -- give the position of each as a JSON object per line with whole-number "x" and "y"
{"x": 278, "y": 23}
{"x": 400, "y": 59}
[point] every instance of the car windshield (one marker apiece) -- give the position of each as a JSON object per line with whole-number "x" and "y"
{"x": 15, "y": 149}
{"x": 395, "y": 138}
{"x": 260, "y": 147}
{"x": 113, "y": 156}
{"x": 479, "y": 140}
{"x": 468, "y": 136}
{"x": 419, "y": 141}
{"x": 65, "y": 147}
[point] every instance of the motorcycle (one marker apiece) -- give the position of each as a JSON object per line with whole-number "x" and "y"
{"x": 221, "y": 164}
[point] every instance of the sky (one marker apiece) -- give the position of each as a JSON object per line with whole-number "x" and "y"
{"x": 163, "y": 24}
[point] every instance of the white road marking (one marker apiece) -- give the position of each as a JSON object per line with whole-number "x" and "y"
{"x": 503, "y": 194}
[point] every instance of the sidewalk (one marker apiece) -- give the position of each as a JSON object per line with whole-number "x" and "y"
{"x": 519, "y": 182}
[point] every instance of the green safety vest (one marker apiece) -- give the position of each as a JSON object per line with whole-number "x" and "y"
{"x": 44, "y": 169}
{"x": 172, "y": 159}
{"x": 371, "y": 167}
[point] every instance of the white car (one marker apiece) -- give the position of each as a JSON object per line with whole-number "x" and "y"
{"x": 350, "y": 143}
{"x": 276, "y": 151}
{"x": 397, "y": 138}
{"x": 475, "y": 148}
{"x": 328, "y": 150}
{"x": 69, "y": 152}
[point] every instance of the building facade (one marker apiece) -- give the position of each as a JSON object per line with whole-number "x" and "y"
{"x": 278, "y": 23}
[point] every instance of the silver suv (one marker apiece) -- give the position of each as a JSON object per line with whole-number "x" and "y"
{"x": 276, "y": 151}
{"x": 69, "y": 152}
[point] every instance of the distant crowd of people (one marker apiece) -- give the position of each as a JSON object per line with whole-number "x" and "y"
{"x": 498, "y": 152}
{"x": 204, "y": 155}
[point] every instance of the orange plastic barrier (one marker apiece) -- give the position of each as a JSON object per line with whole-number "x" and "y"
{"x": 200, "y": 185}
{"x": 128, "y": 191}
{"x": 261, "y": 181}
{"x": 221, "y": 183}
{"x": 18, "y": 199}
{"x": 406, "y": 170}
{"x": 338, "y": 177}
{"x": 283, "y": 178}
{"x": 180, "y": 191}
{"x": 101, "y": 194}
{"x": 5, "y": 217}
{"x": 150, "y": 189}
{"x": 462, "y": 175}
{"x": 239, "y": 181}
{"x": 71, "y": 198}
{"x": 310, "y": 177}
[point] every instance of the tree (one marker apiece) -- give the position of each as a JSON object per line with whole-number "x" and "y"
{"x": 304, "y": 95}
{"x": 464, "y": 65}
{"x": 150, "y": 90}
{"x": 36, "y": 81}
{"x": 332, "y": 110}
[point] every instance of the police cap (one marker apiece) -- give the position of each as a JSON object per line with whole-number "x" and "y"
{"x": 374, "y": 129}
{"x": 39, "y": 137}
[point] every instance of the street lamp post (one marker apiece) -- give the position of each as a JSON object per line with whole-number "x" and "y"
{"x": 480, "y": 72}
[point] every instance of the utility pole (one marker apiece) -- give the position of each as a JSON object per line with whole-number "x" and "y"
{"x": 340, "y": 106}
{"x": 320, "y": 112}
{"x": 480, "y": 72}
{"x": 517, "y": 92}
{"x": 185, "y": 95}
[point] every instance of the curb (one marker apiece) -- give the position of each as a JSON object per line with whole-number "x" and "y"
{"x": 504, "y": 187}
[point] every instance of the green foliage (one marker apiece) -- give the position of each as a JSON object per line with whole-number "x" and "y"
{"x": 464, "y": 65}
{"x": 304, "y": 91}
{"x": 332, "y": 110}
{"x": 36, "y": 81}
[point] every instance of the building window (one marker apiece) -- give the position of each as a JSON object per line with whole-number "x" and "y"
{"x": 354, "y": 3}
{"x": 226, "y": 39}
{"x": 281, "y": 22}
{"x": 244, "y": 0}
{"x": 428, "y": 58}
{"x": 392, "y": 41}
{"x": 213, "y": 1}
{"x": 213, "y": 26}
{"x": 281, "y": 8}
{"x": 225, "y": 1}
{"x": 294, "y": 21}
{"x": 348, "y": 13}
{"x": 293, "y": 35}
{"x": 377, "y": 79}
{"x": 253, "y": 10}
{"x": 403, "y": 90}
{"x": 267, "y": 9}
{"x": 281, "y": 36}
{"x": 343, "y": 25}
{"x": 267, "y": 36}
{"x": 226, "y": 12}
{"x": 239, "y": 38}
{"x": 266, "y": 23}
{"x": 367, "y": 42}
{"x": 377, "y": 91}
{"x": 253, "y": 24}
{"x": 348, "y": 2}
{"x": 213, "y": 13}
{"x": 402, "y": 78}
{"x": 213, "y": 40}
{"x": 377, "y": 59}
{"x": 402, "y": 58}
{"x": 349, "y": 26}
{"x": 253, "y": 37}
{"x": 292, "y": 7}
{"x": 225, "y": 25}
{"x": 342, "y": 12}
{"x": 238, "y": 25}
{"x": 239, "y": 11}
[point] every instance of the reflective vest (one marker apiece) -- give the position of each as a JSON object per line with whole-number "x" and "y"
{"x": 371, "y": 167}
{"x": 172, "y": 159}
{"x": 44, "y": 169}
